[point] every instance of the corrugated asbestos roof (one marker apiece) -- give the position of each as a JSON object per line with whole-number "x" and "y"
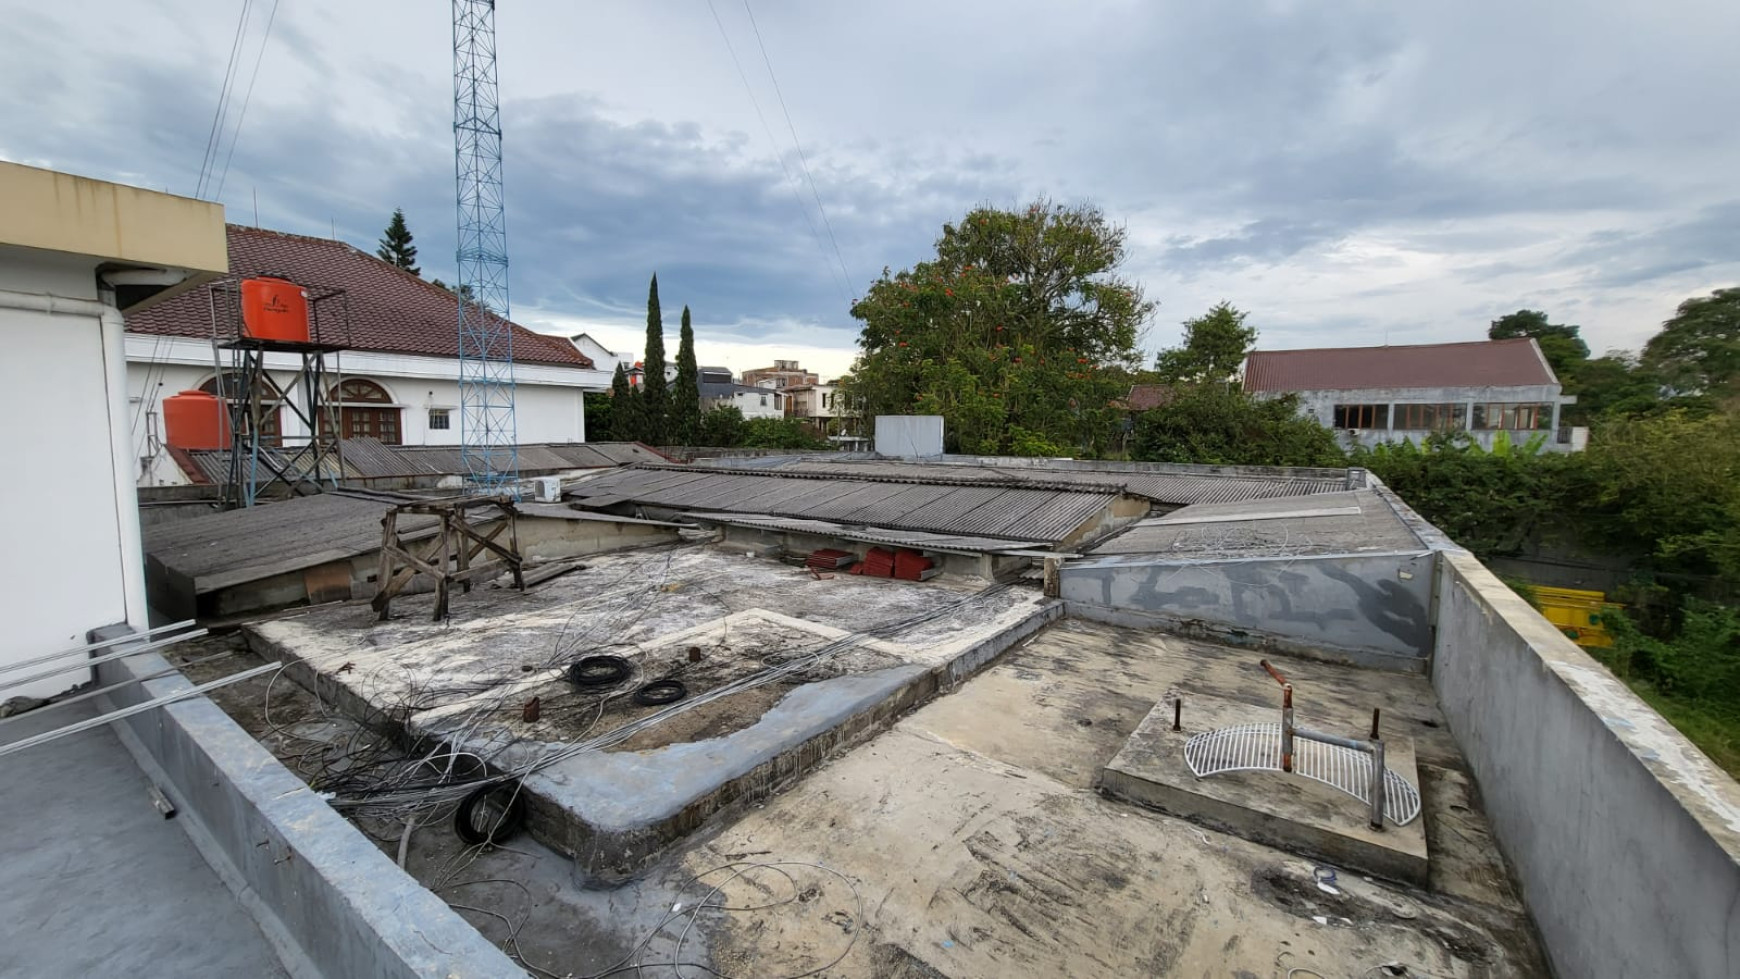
{"x": 1480, "y": 363}
{"x": 959, "y": 543}
{"x": 1171, "y": 488}
{"x": 1353, "y": 522}
{"x": 1005, "y": 511}
{"x": 367, "y": 458}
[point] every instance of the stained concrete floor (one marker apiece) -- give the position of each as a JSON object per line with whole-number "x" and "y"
{"x": 977, "y": 844}
{"x": 707, "y": 616}
{"x": 94, "y": 881}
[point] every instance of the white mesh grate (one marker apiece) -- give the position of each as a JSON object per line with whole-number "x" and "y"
{"x": 1257, "y": 747}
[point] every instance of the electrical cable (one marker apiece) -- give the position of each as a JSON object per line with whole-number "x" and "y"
{"x": 791, "y": 181}
{"x": 247, "y": 97}
{"x": 802, "y": 159}
{"x": 213, "y": 138}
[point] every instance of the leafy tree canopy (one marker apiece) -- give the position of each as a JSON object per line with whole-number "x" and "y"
{"x": 1561, "y": 343}
{"x": 1217, "y": 424}
{"x": 395, "y": 245}
{"x": 1698, "y": 350}
{"x": 1215, "y": 344}
{"x": 1011, "y": 332}
{"x": 722, "y": 427}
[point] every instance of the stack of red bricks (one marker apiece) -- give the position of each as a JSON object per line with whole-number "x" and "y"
{"x": 906, "y": 564}
{"x": 828, "y": 559}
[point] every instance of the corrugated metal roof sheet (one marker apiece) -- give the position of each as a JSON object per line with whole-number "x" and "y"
{"x": 999, "y": 511}
{"x": 1175, "y": 488}
{"x": 916, "y": 539}
{"x": 1480, "y": 363}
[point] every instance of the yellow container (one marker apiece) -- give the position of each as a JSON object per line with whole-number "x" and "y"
{"x": 1578, "y": 614}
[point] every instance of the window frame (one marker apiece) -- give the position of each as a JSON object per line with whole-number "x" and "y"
{"x": 1353, "y": 416}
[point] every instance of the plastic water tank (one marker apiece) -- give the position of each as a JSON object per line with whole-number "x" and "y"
{"x": 274, "y": 309}
{"x": 195, "y": 420}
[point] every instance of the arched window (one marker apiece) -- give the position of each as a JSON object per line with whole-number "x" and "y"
{"x": 271, "y": 405}
{"x": 364, "y": 412}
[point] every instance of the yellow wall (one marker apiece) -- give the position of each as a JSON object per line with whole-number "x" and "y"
{"x": 59, "y": 212}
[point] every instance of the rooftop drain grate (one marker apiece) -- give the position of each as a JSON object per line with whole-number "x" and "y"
{"x": 1257, "y": 748}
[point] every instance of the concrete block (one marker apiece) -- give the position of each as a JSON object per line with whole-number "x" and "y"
{"x": 1274, "y": 808}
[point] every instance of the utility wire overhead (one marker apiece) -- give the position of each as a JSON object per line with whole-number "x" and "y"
{"x": 213, "y": 138}
{"x": 248, "y": 96}
{"x": 797, "y": 194}
{"x": 802, "y": 158}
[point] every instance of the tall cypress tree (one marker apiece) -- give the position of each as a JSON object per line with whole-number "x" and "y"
{"x": 655, "y": 396}
{"x": 686, "y": 397}
{"x": 625, "y": 414}
{"x": 396, "y": 247}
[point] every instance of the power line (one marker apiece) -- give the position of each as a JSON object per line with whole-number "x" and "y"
{"x": 791, "y": 181}
{"x": 213, "y": 138}
{"x": 247, "y": 97}
{"x": 800, "y": 151}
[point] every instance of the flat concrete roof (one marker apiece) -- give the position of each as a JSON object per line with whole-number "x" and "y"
{"x": 98, "y": 883}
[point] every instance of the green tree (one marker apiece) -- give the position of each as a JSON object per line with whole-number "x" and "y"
{"x": 627, "y": 417}
{"x": 1560, "y": 343}
{"x": 655, "y": 395}
{"x": 779, "y": 433}
{"x": 1491, "y": 502}
{"x": 686, "y": 396}
{"x": 1669, "y": 488}
{"x": 1217, "y": 424}
{"x": 1214, "y": 346}
{"x": 1614, "y": 384}
{"x": 1698, "y": 350}
{"x": 600, "y": 416}
{"x": 722, "y": 427}
{"x": 1008, "y": 333}
{"x": 396, "y": 248}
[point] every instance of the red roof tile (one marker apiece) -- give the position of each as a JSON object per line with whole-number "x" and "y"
{"x": 391, "y": 310}
{"x": 1480, "y": 363}
{"x": 1146, "y": 397}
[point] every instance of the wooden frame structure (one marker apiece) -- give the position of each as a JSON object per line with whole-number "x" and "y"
{"x": 447, "y": 556}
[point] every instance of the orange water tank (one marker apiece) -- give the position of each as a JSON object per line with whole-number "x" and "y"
{"x": 196, "y": 420}
{"x": 274, "y": 309}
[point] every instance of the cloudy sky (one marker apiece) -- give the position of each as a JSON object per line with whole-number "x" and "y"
{"x": 1348, "y": 172}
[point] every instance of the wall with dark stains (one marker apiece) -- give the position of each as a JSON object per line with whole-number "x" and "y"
{"x": 1373, "y": 609}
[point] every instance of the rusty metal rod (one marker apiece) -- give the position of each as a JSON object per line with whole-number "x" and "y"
{"x": 1273, "y": 672}
{"x": 1177, "y": 713}
{"x": 1374, "y": 723}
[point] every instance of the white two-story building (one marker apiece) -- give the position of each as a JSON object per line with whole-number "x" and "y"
{"x": 397, "y": 380}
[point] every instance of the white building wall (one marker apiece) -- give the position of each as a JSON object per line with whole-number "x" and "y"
{"x": 766, "y": 404}
{"x": 73, "y": 528}
{"x": 1321, "y": 406}
{"x": 549, "y": 402}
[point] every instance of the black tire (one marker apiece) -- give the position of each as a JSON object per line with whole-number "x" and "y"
{"x": 660, "y": 692}
{"x": 592, "y": 672}
{"x": 464, "y": 822}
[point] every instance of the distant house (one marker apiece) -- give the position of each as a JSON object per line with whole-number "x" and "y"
{"x": 783, "y": 374}
{"x": 1147, "y": 397}
{"x": 600, "y": 355}
{"x": 754, "y": 402}
{"x": 817, "y": 405}
{"x": 1391, "y": 394}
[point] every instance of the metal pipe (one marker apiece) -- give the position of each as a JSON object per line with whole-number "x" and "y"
{"x": 1337, "y": 740}
{"x": 87, "y": 647}
{"x": 79, "y": 698}
{"x": 102, "y": 719}
{"x": 1378, "y": 787}
{"x": 93, "y": 661}
{"x": 1177, "y": 712}
{"x": 1273, "y": 672}
{"x": 1374, "y": 723}
{"x": 1286, "y": 724}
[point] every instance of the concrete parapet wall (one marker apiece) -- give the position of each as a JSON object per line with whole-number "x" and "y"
{"x": 1367, "y": 609}
{"x": 1625, "y": 838}
{"x": 332, "y": 903}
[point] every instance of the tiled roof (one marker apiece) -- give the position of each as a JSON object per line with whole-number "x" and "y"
{"x": 1481, "y": 363}
{"x": 391, "y": 310}
{"x": 1146, "y": 397}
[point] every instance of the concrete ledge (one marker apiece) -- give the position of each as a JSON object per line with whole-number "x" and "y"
{"x": 1191, "y": 628}
{"x": 1287, "y": 811}
{"x": 333, "y": 903}
{"x": 1625, "y": 837}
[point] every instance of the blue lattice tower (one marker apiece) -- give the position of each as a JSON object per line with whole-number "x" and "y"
{"x": 486, "y": 350}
